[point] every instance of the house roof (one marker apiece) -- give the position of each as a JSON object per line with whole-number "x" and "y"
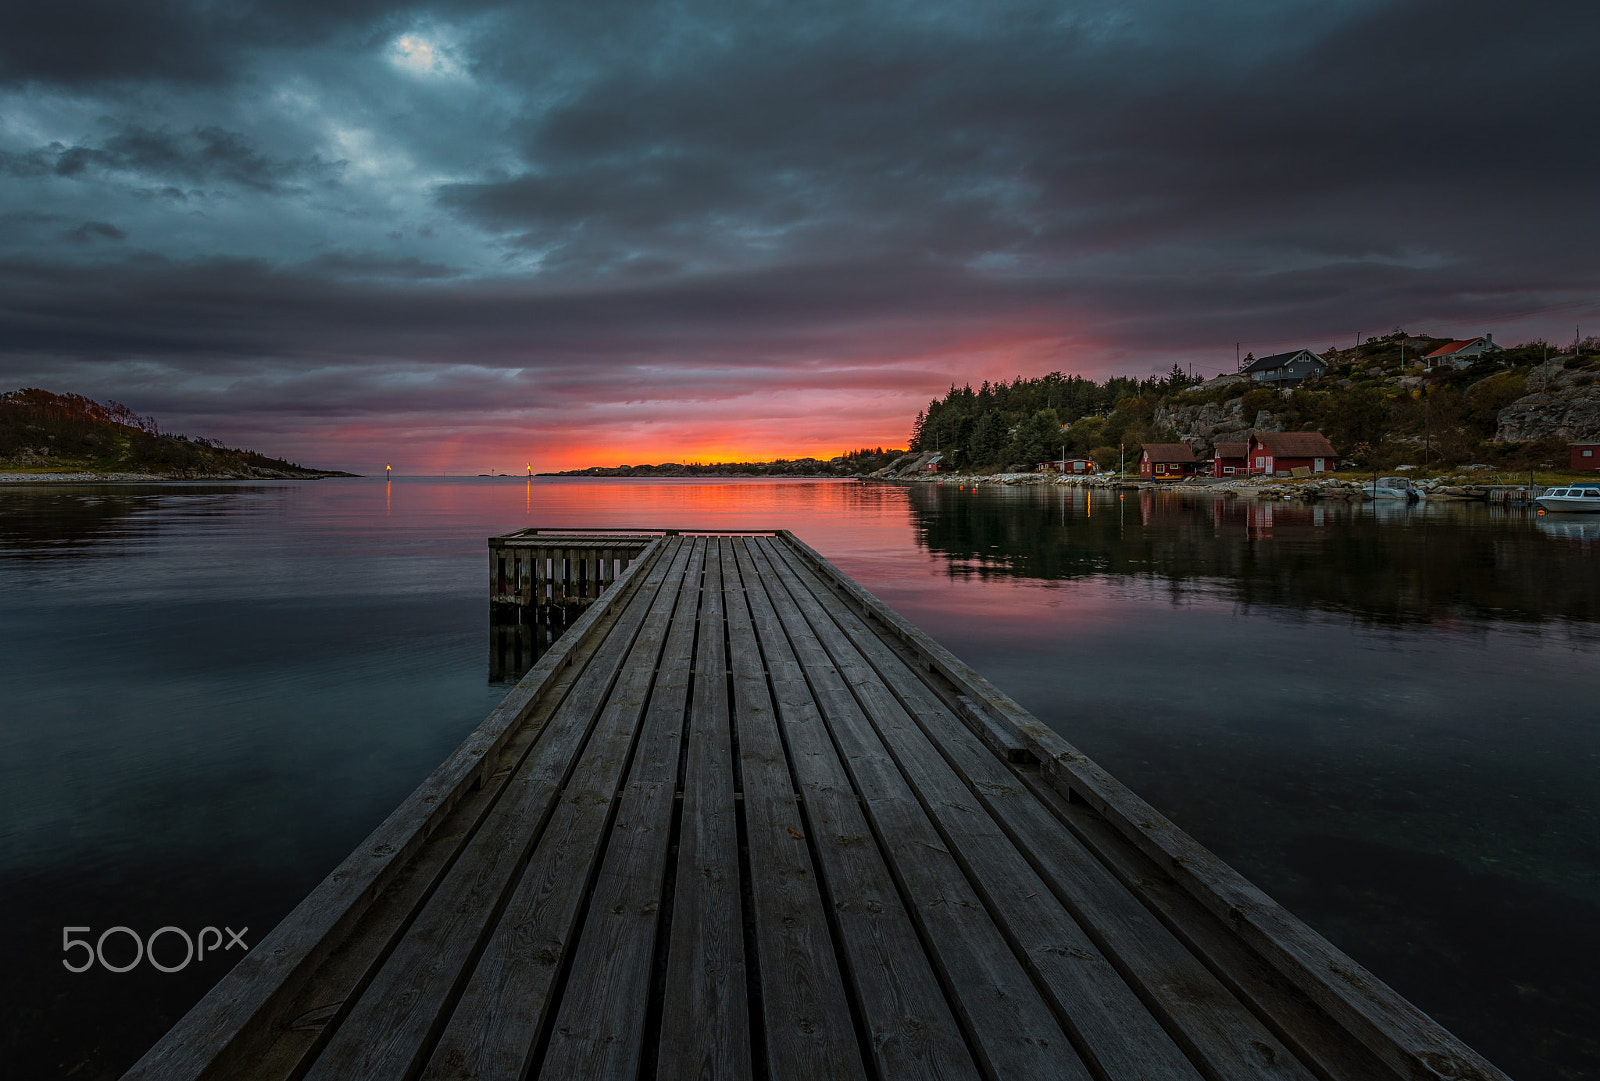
{"x": 1295, "y": 444}
{"x": 1169, "y": 452}
{"x": 1231, "y": 450}
{"x": 1278, "y": 360}
{"x": 1454, "y": 347}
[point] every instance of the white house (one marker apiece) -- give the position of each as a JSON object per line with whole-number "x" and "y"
{"x": 1461, "y": 354}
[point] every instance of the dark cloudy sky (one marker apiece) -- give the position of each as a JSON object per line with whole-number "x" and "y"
{"x": 468, "y": 235}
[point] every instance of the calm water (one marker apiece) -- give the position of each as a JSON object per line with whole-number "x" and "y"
{"x": 210, "y": 694}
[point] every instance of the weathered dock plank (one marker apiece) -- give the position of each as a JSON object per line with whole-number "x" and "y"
{"x": 956, "y": 778}
{"x": 742, "y": 820}
{"x": 805, "y": 1007}
{"x": 705, "y": 1027}
{"x": 600, "y": 1029}
{"x": 554, "y": 802}
{"x": 1014, "y": 1029}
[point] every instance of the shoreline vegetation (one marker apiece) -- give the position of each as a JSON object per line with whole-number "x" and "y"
{"x": 1380, "y": 403}
{"x": 48, "y": 438}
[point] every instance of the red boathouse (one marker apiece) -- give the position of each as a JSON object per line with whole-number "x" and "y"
{"x": 1228, "y": 459}
{"x": 1166, "y": 461}
{"x": 1281, "y": 452}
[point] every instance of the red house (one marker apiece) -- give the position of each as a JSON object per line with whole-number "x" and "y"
{"x": 1068, "y": 465}
{"x": 1229, "y": 459}
{"x": 1280, "y": 452}
{"x": 1583, "y": 455}
{"x": 1166, "y": 461}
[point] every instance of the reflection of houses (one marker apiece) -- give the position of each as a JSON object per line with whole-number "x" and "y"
{"x": 1286, "y": 369}
{"x": 1266, "y": 520}
{"x": 1583, "y": 455}
{"x": 1284, "y": 452}
{"x": 1165, "y": 511}
{"x": 1067, "y": 465}
{"x": 1166, "y": 461}
{"x": 1461, "y": 354}
{"x": 1235, "y": 519}
{"x": 1229, "y": 458}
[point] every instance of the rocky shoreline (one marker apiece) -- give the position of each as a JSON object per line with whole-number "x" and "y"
{"x": 911, "y": 469}
{"x": 1326, "y": 488}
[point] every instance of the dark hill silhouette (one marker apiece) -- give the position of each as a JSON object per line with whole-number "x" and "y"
{"x": 41, "y": 431}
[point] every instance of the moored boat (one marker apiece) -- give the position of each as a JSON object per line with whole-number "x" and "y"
{"x": 1393, "y": 488}
{"x": 1571, "y": 498}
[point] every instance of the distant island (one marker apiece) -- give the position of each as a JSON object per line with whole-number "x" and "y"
{"x": 67, "y": 436}
{"x": 850, "y": 464}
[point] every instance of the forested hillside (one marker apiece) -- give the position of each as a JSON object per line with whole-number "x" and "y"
{"x": 1376, "y": 403}
{"x": 68, "y": 433}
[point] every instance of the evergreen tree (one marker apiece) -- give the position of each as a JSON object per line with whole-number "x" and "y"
{"x": 1038, "y": 438}
{"x": 989, "y": 439}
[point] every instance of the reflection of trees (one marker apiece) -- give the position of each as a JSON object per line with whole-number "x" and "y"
{"x": 50, "y": 520}
{"x": 1395, "y": 566}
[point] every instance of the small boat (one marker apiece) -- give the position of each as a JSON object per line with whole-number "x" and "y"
{"x": 1573, "y": 498}
{"x": 1393, "y": 488}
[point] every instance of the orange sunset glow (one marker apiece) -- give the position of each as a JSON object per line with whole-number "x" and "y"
{"x": 713, "y": 411}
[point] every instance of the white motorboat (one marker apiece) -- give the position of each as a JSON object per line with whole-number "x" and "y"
{"x": 1571, "y": 499}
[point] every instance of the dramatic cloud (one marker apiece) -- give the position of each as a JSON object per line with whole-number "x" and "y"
{"x": 628, "y": 232}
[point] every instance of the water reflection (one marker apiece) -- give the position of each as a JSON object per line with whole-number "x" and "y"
{"x": 47, "y": 521}
{"x": 1393, "y": 565}
{"x": 519, "y": 636}
{"x": 1582, "y": 533}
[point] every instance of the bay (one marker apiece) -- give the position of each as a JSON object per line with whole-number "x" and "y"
{"x": 1385, "y": 717}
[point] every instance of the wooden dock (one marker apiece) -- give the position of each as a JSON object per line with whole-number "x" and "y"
{"x": 743, "y": 821}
